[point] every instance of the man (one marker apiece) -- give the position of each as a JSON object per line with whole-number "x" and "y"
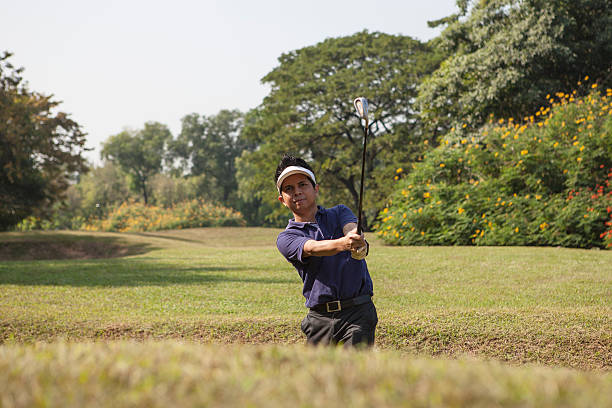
{"x": 324, "y": 247}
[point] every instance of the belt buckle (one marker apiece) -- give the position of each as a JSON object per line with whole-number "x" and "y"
{"x": 334, "y": 310}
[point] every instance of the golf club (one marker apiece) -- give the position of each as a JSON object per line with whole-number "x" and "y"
{"x": 361, "y": 105}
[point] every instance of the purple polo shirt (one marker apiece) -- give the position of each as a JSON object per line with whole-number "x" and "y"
{"x": 325, "y": 278}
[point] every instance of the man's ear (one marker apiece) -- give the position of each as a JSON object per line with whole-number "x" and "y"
{"x": 280, "y": 198}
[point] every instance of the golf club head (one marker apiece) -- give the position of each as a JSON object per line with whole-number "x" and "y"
{"x": 361, "y": 105}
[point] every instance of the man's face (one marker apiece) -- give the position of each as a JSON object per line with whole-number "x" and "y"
{"x": 298, "y": 194}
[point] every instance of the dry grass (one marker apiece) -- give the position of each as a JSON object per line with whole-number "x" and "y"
{"x": 186, "y": 374}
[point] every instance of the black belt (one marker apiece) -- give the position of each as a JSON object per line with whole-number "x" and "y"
{"x": 338, "y": 305}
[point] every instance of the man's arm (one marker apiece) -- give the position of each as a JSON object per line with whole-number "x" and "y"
{"x": 350, "y": 241}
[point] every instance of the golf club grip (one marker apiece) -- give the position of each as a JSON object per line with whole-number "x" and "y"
{"x": 363, "y": 157}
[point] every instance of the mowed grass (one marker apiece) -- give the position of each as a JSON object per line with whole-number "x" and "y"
{"x": 549, "y": 306}
{"x": 179, "y": 374}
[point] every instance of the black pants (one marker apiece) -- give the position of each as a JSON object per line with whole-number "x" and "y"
{"x": 350, "y": 327}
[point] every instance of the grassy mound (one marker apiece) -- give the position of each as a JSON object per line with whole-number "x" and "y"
{"x": 48, "y": 246}
{"x": 181, "y": 374}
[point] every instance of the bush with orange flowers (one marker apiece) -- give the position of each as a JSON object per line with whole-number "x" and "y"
{"x": 135, "y": 217}
{"x": 541, "y": 180}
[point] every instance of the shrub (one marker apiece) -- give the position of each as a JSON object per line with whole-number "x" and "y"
{"x": 134, "y": 216}
{"x": 543, "y": 181}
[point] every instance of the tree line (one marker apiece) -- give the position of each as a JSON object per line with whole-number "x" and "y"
{"x": 493, "y": 59}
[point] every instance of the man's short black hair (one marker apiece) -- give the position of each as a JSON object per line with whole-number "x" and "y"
{"x": 289, "y": 160}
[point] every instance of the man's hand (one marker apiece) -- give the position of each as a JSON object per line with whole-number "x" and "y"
{"x": 353, "y": 241}
{"x": 359, "y": 247}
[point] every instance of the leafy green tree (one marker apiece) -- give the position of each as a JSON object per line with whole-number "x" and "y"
{"x": 168, "y": 190}
{"x": 309, "y": 112}
{"x": 40, "y": 149}
{"x": 101, "y": 189}
{"x": 506, "y": 55}
{"x": 207, "y": 147}
{"x": 139, "y": 153}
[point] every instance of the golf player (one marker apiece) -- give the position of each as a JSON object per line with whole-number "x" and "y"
{"x": 324, "y": 247}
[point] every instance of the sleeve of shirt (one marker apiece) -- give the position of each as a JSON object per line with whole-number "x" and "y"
{"x": 345, "y": 215}
{"x": 291, "y": 245}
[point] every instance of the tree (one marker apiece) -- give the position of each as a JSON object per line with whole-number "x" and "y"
{"x": 40, "y": 149}
{"x": 505, "y": 56}
{"x": 309, "y": 112}
{"x": 139, "y": 153}
{"x": 101, "y": 189}
{"x": 208, "y": 146}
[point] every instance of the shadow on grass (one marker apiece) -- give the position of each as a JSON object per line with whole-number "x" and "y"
{"x": 125, "y": 272}
{"x": 39, "y": 246}
{"x": 169, "y": 237}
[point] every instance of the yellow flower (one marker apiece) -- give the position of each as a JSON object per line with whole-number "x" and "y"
{"x": 579, "y": 159}
{"x": 460, "y": 210}
{"x": 543, "y": 226}
{"x": 524, "y": 152}
{"x": 586, "y": 78}
{"x": 594, "y": 86}
{"x": 516, "y": 229}
{"x": 426, "y": 195}
{"x": 442, "y": 165}
{"x": 399, "y": 170}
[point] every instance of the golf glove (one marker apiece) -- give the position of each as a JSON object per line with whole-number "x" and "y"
{"x": 360, "y": 253}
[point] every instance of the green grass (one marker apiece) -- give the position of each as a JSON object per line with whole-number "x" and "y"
{"x": 522, "y": 305}
{"x": 169, "y": 374}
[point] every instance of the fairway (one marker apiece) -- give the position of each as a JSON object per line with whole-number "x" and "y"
{"x": 550, "y": 306}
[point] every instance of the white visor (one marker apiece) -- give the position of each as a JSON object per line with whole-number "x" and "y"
{"x": 294, "y": 170}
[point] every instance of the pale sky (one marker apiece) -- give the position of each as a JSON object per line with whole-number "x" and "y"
{"x": 118, "y": 64}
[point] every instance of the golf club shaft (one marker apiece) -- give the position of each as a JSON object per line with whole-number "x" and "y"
{"x": 363, "y": 160}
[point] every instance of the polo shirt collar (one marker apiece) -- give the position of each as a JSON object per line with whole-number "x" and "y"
{"x": 301, "y": 225}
